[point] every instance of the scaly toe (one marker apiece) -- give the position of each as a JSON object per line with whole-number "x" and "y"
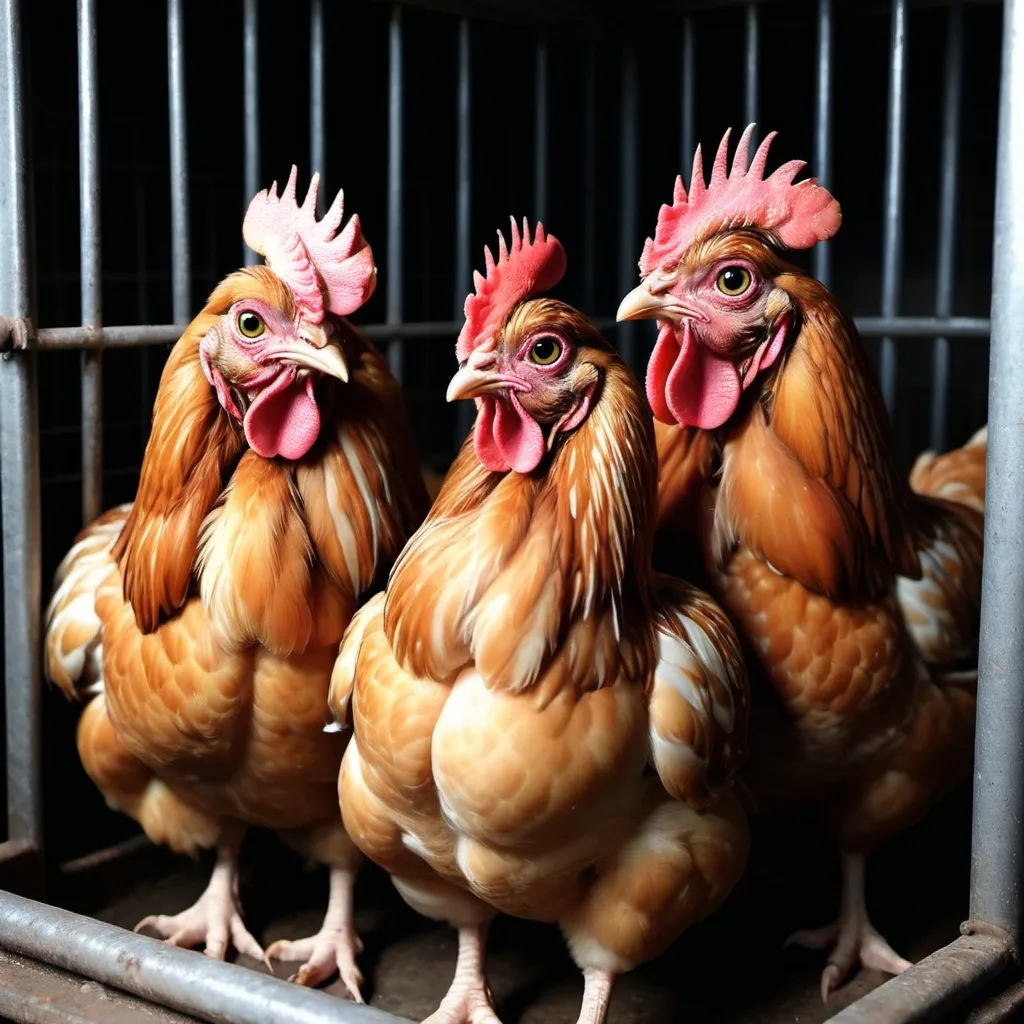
{"x": 876, "y": 953}
{"x": 814, "y": 938}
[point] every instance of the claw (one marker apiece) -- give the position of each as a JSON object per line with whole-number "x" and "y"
{"x": 851, "y": 938}
{"x": 334, "y": 948}
{"x": 215, "y": 918}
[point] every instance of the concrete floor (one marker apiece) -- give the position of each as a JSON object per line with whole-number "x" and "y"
{"x": 730, "y": 969}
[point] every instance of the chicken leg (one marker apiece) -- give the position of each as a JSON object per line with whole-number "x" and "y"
{"x": 468, "y": 1000}
{"x": 852, "y": 937}
{"x": 216, "y": 916}
{"x": 334, "y": 947}
{"x": 597, "y": 993}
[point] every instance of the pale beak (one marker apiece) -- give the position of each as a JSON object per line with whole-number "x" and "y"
{"x": 644, "y": 304}
{"x": 329, "y": 360}
{"x": 472, "y": 382}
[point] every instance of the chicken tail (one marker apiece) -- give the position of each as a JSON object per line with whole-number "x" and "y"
{"x": 73, "y": 649}
{"x": 957, "y": 476}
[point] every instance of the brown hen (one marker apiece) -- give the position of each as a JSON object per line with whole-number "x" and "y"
{"x": 202, "y": 622}
{"x": 542, "y": 727}
{"x": 857, "y": 596}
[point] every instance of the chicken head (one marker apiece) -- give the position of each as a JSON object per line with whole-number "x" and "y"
{"x": 709, "y": 278}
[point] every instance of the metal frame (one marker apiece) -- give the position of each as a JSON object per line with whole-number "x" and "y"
{"x": 216, "y": 991}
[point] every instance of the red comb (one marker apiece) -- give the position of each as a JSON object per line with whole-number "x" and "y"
{"x": 322, "y": 267}
{"x": 523, "y": 269}
{"x": 797, "y": 216}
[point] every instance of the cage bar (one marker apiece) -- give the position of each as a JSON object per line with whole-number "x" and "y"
{"x": 750, "y": 91}
{"x": 181, "y": 979}
{"x": 935, "y": 984}
{"x": 251, "y": 127}
{"x": 92, "y": 281}
{"x": 464, "y": 411}
{"x": 590, "y": 178}
{"x": 317, "y": 101}
{"x": 540, "y": 129}
{"x": 687, "y": 127}
{"x": 998, "y": 837}
{"x": 821, "y": 258}
{"x": 947, "y": 220}
{"x": 628, "y": 249}
{"x": 892, "y": 241}
{"x": 48, "y": 338}
{"x": 396, "y": 113}
{"x": 19, "y": 465}
{"x": 145, "y": 395}
{"x": 180, "y": 253}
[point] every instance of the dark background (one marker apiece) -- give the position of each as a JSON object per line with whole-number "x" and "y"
{"x": 135, "y": 191}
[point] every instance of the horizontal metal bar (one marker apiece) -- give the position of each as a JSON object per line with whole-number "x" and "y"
{"x": 178, "y": 978}
{"x": 19, "y": 333}
{"x": 931, "y": 986}
{"x": 923, "y": 326}
{"x": 1006, "y": 1005}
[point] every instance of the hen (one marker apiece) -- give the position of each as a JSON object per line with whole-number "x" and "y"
{"x": 857, "y": 595}
{"x": 541, "y": 726}
{"x": 202, "y": 622}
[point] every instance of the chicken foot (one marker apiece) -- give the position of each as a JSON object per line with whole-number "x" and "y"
{"x": 852, "y": 937}
{"x": 334, "y": 947}
{"x": 216, "y": 916}
{"x": 468, "y": 1000}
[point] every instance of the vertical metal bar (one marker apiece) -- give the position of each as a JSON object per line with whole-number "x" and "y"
{"x": 181, "y": 279}
{"x": 892, "y": 244}
{"x": 251, "y": 89}
{"x": 750, "y": 82}
{"x": 590, "y": 180}
{"x": 628, "y": 249}
{"x": 540, "y": 127}
{"x": 947, "y": 219}
{"x": 998, "y": 832}
{"x": 464, "y": 411}
{"x": 395, "y": 117}
{"x": 19, "y": 460}
{"x": 821, "y": 258}
{"x": 689, "y": 131}
{"x": 92, "y": 281}
{"x": 145, "y": 397}
{"x": 317, "y": 100}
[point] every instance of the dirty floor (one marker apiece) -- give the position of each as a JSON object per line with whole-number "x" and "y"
{"x": 731, "y": 969}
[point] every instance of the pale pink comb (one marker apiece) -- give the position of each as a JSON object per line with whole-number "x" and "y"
{"x": 797, "y": 216}
{"x": 523, "y": 269}
{"x": 321, "y": 267}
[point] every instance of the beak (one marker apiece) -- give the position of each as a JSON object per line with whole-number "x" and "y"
{"x": 329, "y": 360}
{"x": 472, "y": 382}
{"x": 644, "y": 304}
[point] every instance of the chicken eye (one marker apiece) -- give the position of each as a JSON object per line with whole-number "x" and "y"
{"x": 250, "y": 325}
{"x": 545, "y": 351}
{"x": 733, "y": 281}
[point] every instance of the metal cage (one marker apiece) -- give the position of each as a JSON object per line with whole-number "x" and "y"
{"x": 220, "y": 992}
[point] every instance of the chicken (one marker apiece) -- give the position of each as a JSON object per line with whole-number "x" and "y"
{"x": 542, "y": 727}
{"x": 201, "y": 623}
{"x": 857, "y": 596}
